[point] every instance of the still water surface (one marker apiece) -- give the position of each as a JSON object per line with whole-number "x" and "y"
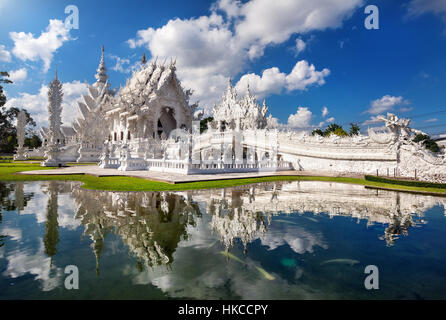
{"x": 290, "y": 240}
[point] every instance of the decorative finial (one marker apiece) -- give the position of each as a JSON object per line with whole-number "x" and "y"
{"x": 143, "y": 59}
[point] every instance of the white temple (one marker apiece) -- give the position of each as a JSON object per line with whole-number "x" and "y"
{"x": 21, "y": 153}
{"x": 149, "y": 124}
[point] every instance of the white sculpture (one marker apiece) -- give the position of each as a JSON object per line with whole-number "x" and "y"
{"x": 52, "y": 152}
{"x": 21, "y": 132}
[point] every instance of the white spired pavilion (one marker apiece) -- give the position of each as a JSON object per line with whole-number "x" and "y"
{"x": 54, "y": 142}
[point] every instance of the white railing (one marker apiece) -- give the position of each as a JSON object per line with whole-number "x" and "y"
{"x": 113, "y": 163}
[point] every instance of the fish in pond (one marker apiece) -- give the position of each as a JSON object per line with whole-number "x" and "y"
{"x": 291, "y": 263}
{"x": 265, "y": 274}
{"x": 262, "y": 271}
{"x": 341, "y": 261}
{"x": 284, "y": 221}
{"x": 231, "y": 256}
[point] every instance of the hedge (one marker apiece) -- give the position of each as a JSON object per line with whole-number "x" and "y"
{"x": 407, "y": 183}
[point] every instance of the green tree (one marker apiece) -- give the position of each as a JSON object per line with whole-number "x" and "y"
{"x": 427, "y": 142}
{"x": 354, "y": 129}
{"x": 5, "y": 123}
{"x": 33, "y": 142}
{"x": 317, "y": 132}
{"x": 8, "y": 134}
{"x": 204, "y": 124}
{"x": 335, "y": 129}
{"x": 3, "y": 76}
{"x": 332, "y": 128}
{"x": 340, "y": 132}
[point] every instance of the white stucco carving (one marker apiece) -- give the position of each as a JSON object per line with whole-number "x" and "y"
{"x": 55, "y": 137}
{"x": 21, "y": 153}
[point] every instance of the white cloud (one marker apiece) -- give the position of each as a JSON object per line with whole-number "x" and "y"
{"x": 122, "y": 64}
{"x": 325, "y": 112}
{"x": 5, "y": 55}
{"x": 37, "y": 265}
{"x": 372, "y": 120}
{"x": 431, "y": 120}
{"x": 230, "y": 7}
{"x": 18, "y": 75}
{"x": 273, "y": 81}
{"x": 273, "y": 22}
{"x": 419, "y": 7}
{"x": 37, "y": 104}
{"x": 406, "y": 109}
{"x": 27, "y": 47}
{"x": 209, "y": 49}
{"x": 300, "y": 45}
{"x": 301, "y": 119}
{"x": 304, "y": 75}
{"x": 386, "y": 103}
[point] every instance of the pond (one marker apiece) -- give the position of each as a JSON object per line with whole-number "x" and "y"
{"x": 287, "y": 240}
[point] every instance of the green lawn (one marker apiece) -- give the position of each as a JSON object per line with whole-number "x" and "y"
{"x": 8, "y": 170}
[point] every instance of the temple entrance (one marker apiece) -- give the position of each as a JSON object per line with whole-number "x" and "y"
{"x": 166, "y": 122}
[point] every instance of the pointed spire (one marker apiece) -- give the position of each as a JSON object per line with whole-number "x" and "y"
{"x": 143, "y": 59}
{"x": 101, "y": 74}
{"x": 229, "y": 83}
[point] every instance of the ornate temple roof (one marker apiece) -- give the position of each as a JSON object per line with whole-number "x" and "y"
{"x": 246, "y": 111}
{"x": 147, "y": 82}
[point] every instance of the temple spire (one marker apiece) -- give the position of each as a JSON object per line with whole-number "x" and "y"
{"x": 101, "y": 74}
{"x": 143, "y": 59}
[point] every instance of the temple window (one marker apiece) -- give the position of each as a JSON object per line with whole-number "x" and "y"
{"x": 122, "y": 135}
{"x": 115, "y": 136}
{"x": 128, "y": 135}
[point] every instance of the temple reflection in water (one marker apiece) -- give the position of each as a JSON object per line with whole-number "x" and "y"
{"x": 299, "y": 240}
{"x": 152, "y": 224}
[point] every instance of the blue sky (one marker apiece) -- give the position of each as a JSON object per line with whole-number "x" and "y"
{"x": 303, "y": 57}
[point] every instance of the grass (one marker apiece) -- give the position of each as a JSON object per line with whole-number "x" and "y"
{"x": 8, "y": 173}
